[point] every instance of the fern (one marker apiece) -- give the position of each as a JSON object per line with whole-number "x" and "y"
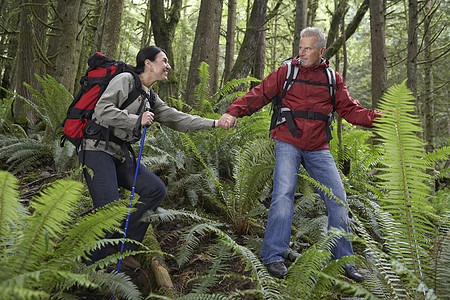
{"x": 405, "y": 180}
{"x": 202, "y": 90}
{"x": 51, "y": 104}
{"x": 21, "y": 153}
{"x": 40, "y": 251}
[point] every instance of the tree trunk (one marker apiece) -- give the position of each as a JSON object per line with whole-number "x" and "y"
{"x": 164, "y": 26}
{"x": 378, "y": 45}
{"x": 89, "y": 18}
{"x": 246, "y": 56}
{"x": 29, "y": 57}
{"x": 301, "y": 19}
{"x": 8, "y": 47}
{"x": 428, "y": 97}
{"x": 351, "y": 28}
{"x": 146, "y": 27}
{"x": 411, "y": 65}
{"x": 258, "y": 71}
{"x": 206, "y": 47}
{"x": 312, "y": 11}
{"x": 65, "y": 42}
{"x": 231, "y": 34}
{"x": 109, "y": 27}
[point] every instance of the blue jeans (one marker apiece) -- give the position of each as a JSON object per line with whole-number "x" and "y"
{"x": 321, "y": 167}
{"x": 109, "y": 175}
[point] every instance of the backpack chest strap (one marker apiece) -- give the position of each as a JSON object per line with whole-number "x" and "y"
{"x": 288, "y": 116}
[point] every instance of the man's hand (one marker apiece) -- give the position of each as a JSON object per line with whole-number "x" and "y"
{"x": 227, "y": 121}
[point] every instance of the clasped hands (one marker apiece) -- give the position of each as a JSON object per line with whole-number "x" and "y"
{"x": 227, "y": 121}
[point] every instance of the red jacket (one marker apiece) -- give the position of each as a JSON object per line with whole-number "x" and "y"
{"x": 302, "y": 96}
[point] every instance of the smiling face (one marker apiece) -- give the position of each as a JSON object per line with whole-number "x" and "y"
{"x": 308, "y": 53}
{"x": 160, "y": 67}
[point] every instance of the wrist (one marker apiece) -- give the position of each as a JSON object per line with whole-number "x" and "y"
{"x": 214, "y": 124}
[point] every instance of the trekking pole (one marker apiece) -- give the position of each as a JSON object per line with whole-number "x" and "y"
{"x": 132, "y": 194}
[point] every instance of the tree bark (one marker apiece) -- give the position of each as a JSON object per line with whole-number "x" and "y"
{"x": 146, "y": 27}
{"x": 378, "y": 45}
{"x": 351, "y": 28}
{"x": 8, "y": 46}
{"x": 258, "y": 71}
{"x": 29, "y": 57}
{"x": 428, "y": 95}
{"x": 206, "y": 47}
{"x": 164, "y": 26}
{"x": 411, "y": 65}
{"x": 65, "y": 43}
{"x": 301, "y": 20}
{"x": 109, "y": 32}
{"x": 231, "y": 34}
{"x": 246, "y": 56}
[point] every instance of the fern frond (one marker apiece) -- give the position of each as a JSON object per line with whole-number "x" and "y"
{"x": 348, "y": 288}
{"x": 118, "y": 284}
{"x": 264, "y": 281}
{"x": 21, "y": 153}
{"x": 202, "y": 105}
{"x": 441, "y": 259}
{"x": 89, "y": 232}
{"x": 168, "y": 215}
{"x": 194, "y": 296}
{"x": 50, "y": 211}
{"x": 405, "y": 179}
{"x": 52, "y": 102}
{"x": 10, "y": 207}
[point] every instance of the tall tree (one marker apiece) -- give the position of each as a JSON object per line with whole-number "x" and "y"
{"x": 231, "y": 34}
{"x": 428, "y": 97}
{"x": 378, "y": 46}
{"x": 8, "y": 44}
{"x": 411, "y": 64}
{"x": 351, "y": 28}
{"x": 30, "y": 56}
{"x": 206, "y": 46}
{"x": 246, "y": 55}
{"x": 164, "y": 23}
{"x": 63, "y": 46}
{"x": 146, "y": 28}
{"x": 108, "y": 33}
{"x": 301, "y": 21}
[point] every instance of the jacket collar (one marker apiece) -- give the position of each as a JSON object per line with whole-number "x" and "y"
{"x": 323, "y": 63}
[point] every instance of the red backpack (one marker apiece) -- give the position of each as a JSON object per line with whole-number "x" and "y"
{"x": 100, "y": 72}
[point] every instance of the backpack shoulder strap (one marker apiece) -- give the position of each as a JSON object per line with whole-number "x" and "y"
{"x": 135, "y": 92}
{"x": 331, "y": 78}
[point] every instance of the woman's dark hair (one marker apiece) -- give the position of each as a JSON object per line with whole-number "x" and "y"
{"x": 148, "y": 52}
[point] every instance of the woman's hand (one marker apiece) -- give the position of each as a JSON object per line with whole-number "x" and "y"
{"x": 147, "y": 118}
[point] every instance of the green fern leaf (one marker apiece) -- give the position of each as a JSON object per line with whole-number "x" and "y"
{"x": 404, "y": 178}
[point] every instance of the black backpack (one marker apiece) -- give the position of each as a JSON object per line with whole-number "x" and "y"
{"x": 100, "y": 72}
{"x": 284, "y": 115}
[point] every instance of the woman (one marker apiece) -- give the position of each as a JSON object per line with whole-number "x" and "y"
{"x": 110, "y": 160}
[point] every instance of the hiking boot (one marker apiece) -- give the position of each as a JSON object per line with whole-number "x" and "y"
{"x": 352, "y": 273}
{"x": 277, "y": 269}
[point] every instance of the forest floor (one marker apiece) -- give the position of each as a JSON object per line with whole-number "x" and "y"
{"x": 168, "y": 235}
{"x": 33, "y": 182}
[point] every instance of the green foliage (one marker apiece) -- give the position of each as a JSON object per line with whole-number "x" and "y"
{"x": 41, "y": 247}
{"x": 21, "y": 153}
{"x": 19, "y": 150}
{"x": 405, "y": 180}
{"x": 51, "y": 104}
{"x": 206, "y": 103}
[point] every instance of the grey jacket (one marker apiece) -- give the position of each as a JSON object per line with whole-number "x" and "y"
{"x": 123, "y": 122}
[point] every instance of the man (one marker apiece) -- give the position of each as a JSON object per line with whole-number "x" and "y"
{"x": 303, "y": 140}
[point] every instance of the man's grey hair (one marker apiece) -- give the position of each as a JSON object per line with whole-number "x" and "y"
{"x": 315, "y": 32}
